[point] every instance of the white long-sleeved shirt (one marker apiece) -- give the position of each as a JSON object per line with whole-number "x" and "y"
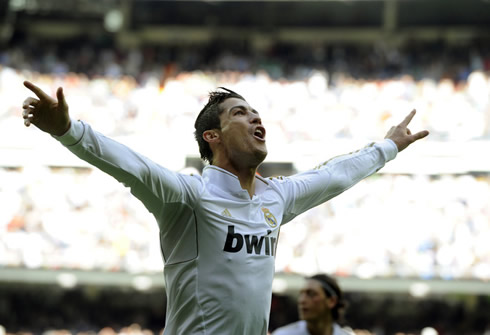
{"x": 218, "y": 244}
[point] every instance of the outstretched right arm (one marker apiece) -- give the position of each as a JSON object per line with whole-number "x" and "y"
{"x": 149, "y": 182}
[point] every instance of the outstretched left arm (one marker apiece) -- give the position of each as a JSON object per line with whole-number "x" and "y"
{"x": 313, "y": 187}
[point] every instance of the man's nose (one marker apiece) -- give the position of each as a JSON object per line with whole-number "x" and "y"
{"x": 256, "y": 119}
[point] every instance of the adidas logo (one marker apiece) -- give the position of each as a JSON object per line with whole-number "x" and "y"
{"x": 227, "y": 213}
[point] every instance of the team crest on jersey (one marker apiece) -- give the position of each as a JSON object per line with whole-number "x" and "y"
{"x": 269, "y": 217}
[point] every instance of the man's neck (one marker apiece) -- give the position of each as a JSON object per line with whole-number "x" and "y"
{"x": 246, "y": 176}
{"x": 247, "y": 181}
{"x": 320, "y": 327}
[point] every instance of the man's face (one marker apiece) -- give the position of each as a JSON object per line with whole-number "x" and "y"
{"x": 242, "y": 133}
{"x": 313, "y": 303}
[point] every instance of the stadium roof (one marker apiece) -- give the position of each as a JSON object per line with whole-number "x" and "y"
{"x": 411, "y": 18}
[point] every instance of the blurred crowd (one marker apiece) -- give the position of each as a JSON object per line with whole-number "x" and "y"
{"x": 72, "y": 218}
{"x": 389, "y": 225}
{"x": 396, "y": 226}
{"x": 158, "y": 93}
{"x": 133, "y": 329}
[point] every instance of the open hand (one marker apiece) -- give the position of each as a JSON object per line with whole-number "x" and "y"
{"x": 402, "y": 136}
{"x": 46, "y": 113}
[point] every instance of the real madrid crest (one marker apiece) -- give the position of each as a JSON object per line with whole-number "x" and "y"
{"x": 269, "y": 217}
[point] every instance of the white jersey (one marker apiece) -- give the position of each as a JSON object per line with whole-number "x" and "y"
{"x": 300, "y": 328}
{"x": 218, "y": 244}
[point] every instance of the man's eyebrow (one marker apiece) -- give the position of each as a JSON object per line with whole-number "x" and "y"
{"x": 245, "y": 108}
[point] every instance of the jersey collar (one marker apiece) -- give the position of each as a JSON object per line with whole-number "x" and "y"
{"x": 229, "y": 183}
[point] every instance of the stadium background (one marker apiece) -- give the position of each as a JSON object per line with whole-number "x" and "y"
{"x": 410, "y": 246}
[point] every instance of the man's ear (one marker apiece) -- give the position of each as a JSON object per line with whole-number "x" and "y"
{"x": 332, "y": 302}
{"x": 211, "y": 136}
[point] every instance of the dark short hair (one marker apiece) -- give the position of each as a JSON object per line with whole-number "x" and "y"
{"x": 332, "y": 288}
{"x": 208, "y": 119}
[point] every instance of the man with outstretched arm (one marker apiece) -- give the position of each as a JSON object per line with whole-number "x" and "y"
{"x": 218, "y": 231}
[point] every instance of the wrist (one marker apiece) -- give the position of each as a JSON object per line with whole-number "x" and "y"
{"x": 63, "y": 130}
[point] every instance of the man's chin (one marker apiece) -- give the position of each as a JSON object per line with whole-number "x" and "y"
{"x": 303, "y": 317}
{"x": 307, "y": 318}
{"x": 260, "y": 156}
{"x": 252, "y": 159}
{"x": 306, "y": 315}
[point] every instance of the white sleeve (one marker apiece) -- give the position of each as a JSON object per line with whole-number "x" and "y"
{"x": 311, "y": 188}
{"x": 148, "y": 181}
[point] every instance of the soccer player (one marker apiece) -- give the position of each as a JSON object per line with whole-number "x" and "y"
{"x": 218, "y": 231}
{"x": 320, "y": 307}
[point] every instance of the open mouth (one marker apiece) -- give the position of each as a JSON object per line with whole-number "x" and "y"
{"x": 259, "y": 133}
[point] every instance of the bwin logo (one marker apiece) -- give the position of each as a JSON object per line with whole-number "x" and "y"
{"x": 254, "y": 244}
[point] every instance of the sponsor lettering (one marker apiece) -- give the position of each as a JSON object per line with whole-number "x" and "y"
{"x": 258, "y": 245}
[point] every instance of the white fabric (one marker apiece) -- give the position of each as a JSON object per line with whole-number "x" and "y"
{"x": 300, "y": 328}
{"x": 218, "y": 244}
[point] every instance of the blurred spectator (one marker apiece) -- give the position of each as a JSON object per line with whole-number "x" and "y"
{"x": 321, "y": 306}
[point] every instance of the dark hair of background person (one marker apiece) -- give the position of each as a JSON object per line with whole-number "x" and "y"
{"x": 338, "y": 311}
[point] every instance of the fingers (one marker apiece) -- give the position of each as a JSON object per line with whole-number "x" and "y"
{"x": 28, "y": 115}
{"x": 61, "y": 97}
{"x": 36, "y": 90}
{"x": 30, "y": 102}
{"x": 407, "y": 119}
{"x": 27, "y": 112}
{"x": 28, "y": 109}
{"x": 419, "y": 135}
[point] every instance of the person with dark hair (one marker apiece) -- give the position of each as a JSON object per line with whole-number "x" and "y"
{"x": 218, "y": 231}
{"x": 321, "y": 306}
{"x": 209, "y": 118}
